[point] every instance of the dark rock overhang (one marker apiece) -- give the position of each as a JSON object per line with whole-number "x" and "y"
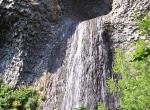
{"x": 87, "y": 9}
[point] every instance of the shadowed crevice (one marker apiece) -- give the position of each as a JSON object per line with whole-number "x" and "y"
{"x": 87, "y": 9}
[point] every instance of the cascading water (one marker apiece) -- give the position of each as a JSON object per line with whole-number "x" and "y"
{"x": 86, "y": 67}
{"x": 83, "y": 58}
{"x": 75, "y": 70}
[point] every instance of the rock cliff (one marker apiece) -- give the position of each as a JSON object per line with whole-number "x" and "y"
{"x": 66, "y": 47}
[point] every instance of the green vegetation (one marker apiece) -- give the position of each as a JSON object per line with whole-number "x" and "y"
{"x": 134, "y": 66}
{"x": 100, "y": 106}
{"x": 143, "y": 22}
{"x": 112, "y": 85}
{"x": 82, "y": 108}
{"x": 23, "y": 98}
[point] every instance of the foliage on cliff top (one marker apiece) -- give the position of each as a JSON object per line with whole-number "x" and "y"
{"x": 23, "y": 98}
{"x": 134, "y": 66}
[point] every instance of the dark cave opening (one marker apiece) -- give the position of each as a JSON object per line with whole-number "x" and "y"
{"x": 86, "y": 9}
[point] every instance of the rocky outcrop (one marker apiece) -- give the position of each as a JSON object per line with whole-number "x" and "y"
{"x": 123, "y": 24}
{"x": 26, "y": 27}
{"x": 36, "y": 38}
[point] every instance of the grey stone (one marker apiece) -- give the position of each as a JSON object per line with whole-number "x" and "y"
{"x": 39, "y": 40}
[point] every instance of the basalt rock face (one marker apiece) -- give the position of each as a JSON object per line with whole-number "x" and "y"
{"x": 27, "y": 26}
{"x": 123, "y": 24}
{"x": 65, "y": 47}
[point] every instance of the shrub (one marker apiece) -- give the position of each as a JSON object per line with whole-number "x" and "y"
{"x": 134, "y": 66}
{"x": 101, "y": 106}
{"x": 83, "y": 108}
{"x": 111, "y": 85}
{"x": 23, "y": 98}
{"x": 143, "y": 22}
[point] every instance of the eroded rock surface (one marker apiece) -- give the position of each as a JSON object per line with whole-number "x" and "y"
{"x": 61, "y": 46}
{"x": 27, "y": 27}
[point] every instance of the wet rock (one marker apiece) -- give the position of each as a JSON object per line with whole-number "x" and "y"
{"x": 39, "y": 37}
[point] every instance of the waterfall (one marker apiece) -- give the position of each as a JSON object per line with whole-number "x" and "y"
{"x": 86, "y": 78}
{"x": 75, "y": 70}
